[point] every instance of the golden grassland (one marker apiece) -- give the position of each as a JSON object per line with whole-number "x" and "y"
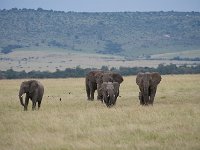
{"x": 41, "y": 59}
{"x": 75, "y": 123}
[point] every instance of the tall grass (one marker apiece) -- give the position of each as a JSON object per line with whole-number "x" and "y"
{"x": 75, "y": 123}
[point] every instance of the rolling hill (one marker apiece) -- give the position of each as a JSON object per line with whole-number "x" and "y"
{"x": 128, "y": 34}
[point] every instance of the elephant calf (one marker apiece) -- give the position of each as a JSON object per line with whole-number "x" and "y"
{"x": 34, "y": 90}
{"x": 147, "y": 83}
{"x": 110, "y": 92}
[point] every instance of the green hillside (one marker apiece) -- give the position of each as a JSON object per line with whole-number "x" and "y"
{"x": 120, "y": 33}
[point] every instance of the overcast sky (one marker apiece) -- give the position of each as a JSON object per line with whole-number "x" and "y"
{"x": 104, "y": 5}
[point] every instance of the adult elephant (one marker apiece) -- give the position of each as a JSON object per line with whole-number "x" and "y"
{"x": 110, "y": 92}
{"x": 107, "y": 77}
{"x": 91, "y": 83}
{"x": 147, "y": 83}
{"x": 34, "y": 90}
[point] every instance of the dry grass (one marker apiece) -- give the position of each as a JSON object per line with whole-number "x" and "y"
{"x": 75, "y": 123}
{"x": 45, "y": 60}
{"x": 182, "y": 54}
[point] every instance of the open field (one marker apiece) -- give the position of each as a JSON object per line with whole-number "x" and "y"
{"x": 182, "y": 54}
{"x": 49, "y": 60}
{"x": 75, "y": 123}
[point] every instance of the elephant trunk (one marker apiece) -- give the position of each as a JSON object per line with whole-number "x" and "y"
{"x": 21, "y": 97}
{"x": 111, "y": 97}
{"x": 146, "y": 95}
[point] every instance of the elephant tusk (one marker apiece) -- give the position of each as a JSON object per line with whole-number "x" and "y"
{"x": 22, "y": 96}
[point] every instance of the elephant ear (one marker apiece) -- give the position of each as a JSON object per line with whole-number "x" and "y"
{"x": 117, "y": 78}
{"x": 33, "y": 86}
{"x": 24, "y": 85}
{"x": 155, "y": 78}
{"x": 139, "y": 78}
{"x": 116, "y": 86}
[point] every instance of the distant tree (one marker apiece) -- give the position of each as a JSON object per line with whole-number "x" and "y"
{"x": 105, "y": 68}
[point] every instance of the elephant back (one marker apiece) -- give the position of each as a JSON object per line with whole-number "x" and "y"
{"x": 92, "y": 75}
{"x": 112, "y": 77}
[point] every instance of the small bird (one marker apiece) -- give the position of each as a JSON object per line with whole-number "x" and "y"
{"x": 60, "y": 99}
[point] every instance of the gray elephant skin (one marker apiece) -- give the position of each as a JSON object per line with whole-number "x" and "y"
{"x": 91, "y": 83}
{"x": 94, "y": 79}
{"x": 110, "y": 92}
{"x": 34, "y": 90}
{"x": 147, "y": 83}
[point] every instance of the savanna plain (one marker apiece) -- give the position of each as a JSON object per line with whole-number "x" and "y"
{"x": 67, "y": 120}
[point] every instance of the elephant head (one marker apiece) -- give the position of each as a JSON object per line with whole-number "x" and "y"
{"x": 110, "y": 91}
{"x": 147, "y": 83}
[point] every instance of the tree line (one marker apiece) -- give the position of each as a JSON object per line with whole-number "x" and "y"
{"x": 79, "y": 72}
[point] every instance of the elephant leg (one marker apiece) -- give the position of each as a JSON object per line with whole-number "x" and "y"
{"x": 92, "y": 87}
{"x": 105, "y": 98}
{"x": 99, "y": 92}
{"x": 33, "y": 105}
{"x": 39, "y": 103}
{"x": 34, "y": 100}
{"x": 152, "y": 95}
{"x": 92, "y": 94}
{"x": 88, "y": 92}
{"x": 108, "y": 103}
{"x": 26, "y": 103}
{"x": 145, "y": 100}
{"x": 141, "y": 98}
{"x": 114, "y": 102}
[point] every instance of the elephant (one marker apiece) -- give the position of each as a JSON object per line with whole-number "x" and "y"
{"x": 91, "y": 83}
{"x": 147, "y": 83}
{"x": 110, "y": 92}
{"x": 34, "y": 90}
{"x": 95, "y": 78}
{"x": 107, "y": 77}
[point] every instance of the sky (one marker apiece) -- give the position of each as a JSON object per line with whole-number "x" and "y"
{"x": 104, "y": 5}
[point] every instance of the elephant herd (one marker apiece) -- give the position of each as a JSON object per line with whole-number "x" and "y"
{"x": 107, "y": 85}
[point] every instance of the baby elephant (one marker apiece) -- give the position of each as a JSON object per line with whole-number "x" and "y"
{"x": 110, "y": 92}
{"x": 34, "y": 90}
